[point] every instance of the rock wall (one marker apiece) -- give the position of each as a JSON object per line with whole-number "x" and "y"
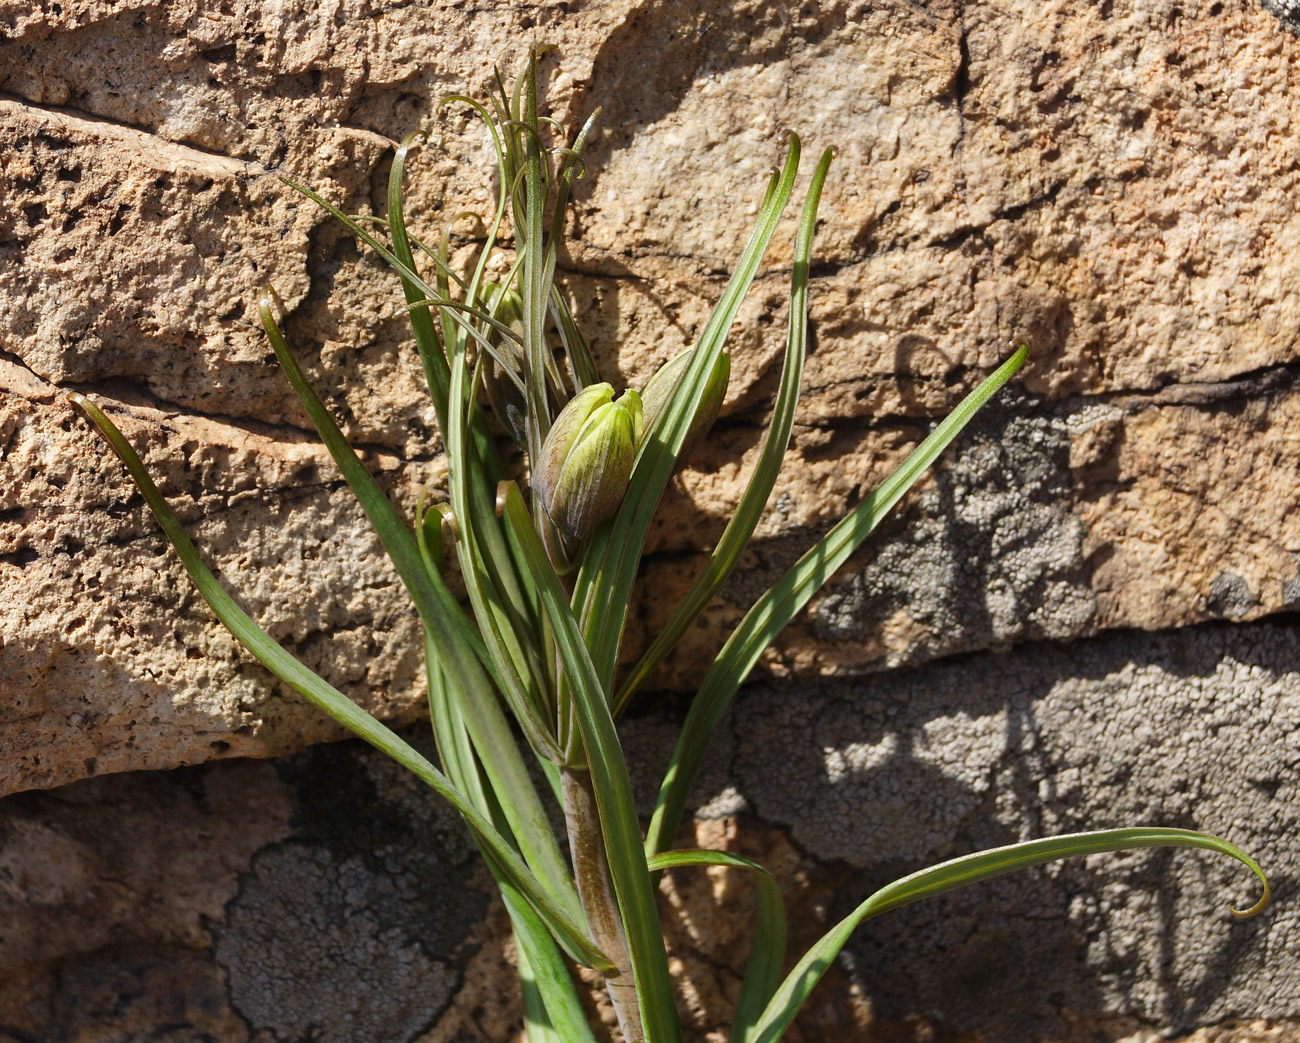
{"x": 322, "y": 896}
{"x": 1113, "y": 546}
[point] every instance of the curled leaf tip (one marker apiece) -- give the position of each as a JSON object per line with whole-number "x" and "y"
{"x": 1253, "y": 866}
{"x": 1258, "y": 907}
{"x": 449, "y": 520}
{"x": 413, "y": 140}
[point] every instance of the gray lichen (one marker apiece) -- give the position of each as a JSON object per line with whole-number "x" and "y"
{"x": 1287, "y": 10}
{"x": 352, "y": 930}
{"x": 874, "y": 777}
{"x": 992, "y": 552}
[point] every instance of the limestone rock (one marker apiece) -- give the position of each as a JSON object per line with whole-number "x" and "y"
{"x": 1050, "y": 521}
{"x": 1192, "y": 728}
{"x": 110, "y": 660}
{"x": 1118, "y": 180}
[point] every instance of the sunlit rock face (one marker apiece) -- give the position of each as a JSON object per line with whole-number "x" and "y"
{"x": 1108, "y": 548}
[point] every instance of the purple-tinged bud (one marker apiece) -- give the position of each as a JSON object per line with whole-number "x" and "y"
{"x": 586, "y": 460}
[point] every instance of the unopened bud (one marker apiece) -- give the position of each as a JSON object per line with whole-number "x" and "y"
{"x": 586, "y": 460}
{"x": 658, "y": 392}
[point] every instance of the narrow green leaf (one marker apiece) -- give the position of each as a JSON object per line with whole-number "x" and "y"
{"x": 537, "y": 1020}
{"x": 502, "y": 629}
{"x": 604, "y": 588}
{"x": 575, "y": 345}
{"x": 430, "y": 293}
{"x": 763, "y": 971}
{"x": 743, "y": 521}
{"x": 432, "y": 352}
{"x": 455, "y": 747}
{"x": 502, "y": 601}
{"x": 533, "y": 286}
{"x": 460, "y": 647}
{"x": 439, "y": 610}
{"x": 333, "y": 702}
{"x": 570, "y": 168}
{"x": 959, "y": 872}
{"x": 770, "y": 614}
{"x": 554, "y": 1011}
{"x": 612, "y": 784}
{"x": 453, "y": 636}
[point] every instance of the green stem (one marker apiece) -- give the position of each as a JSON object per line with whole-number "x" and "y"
{"x": 599, "y": 899}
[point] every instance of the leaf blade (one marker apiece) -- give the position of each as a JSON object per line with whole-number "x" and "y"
{"x": 328, "y": 698}
{"x": 610, "y": 564}
{"x": 612, "y": 785}
{"x": 461, "y": 650}
{"x": 959, "y": 872}
{"x": 766, "y": 952}
{"x": 745, "y": 518}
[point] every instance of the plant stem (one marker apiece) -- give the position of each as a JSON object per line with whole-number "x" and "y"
{"x": 596, "y": 890}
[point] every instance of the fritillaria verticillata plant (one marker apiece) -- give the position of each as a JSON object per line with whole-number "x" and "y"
{"x": 525, "y": 666}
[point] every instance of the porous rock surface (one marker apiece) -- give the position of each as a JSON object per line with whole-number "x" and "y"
{"x": 1117, "y": 180}
{"x": 323, "y": 896}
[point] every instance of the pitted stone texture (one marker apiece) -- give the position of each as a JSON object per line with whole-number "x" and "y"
{"x": 110, "y": 660}
{"x": 1118, "y": 180}
{"x": 1079, "y": 171}
{"x": 1050, "y": 521}
{"x": 350, "y": 931}
{"x": 328, "y": 895}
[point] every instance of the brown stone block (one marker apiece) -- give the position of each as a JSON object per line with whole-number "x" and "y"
{"x": 1118, "y": 180}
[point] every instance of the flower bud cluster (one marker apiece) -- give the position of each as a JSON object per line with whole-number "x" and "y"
{"x": 587, "y": 458}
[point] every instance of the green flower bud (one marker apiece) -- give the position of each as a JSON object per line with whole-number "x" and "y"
{"x": 587, "y": 459}
{"x": 655, "y": 396}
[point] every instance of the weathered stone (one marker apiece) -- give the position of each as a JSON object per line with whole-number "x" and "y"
{"x": 1287, "y": 10}
{"x": 1118, "y": 180}
{"x": 329, "y": 896}
{"x": 1192, "y": 729}
{"x": 111, "y": 661}
{"x": 874, "y": 778}
{"x": 325, "y": 897}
